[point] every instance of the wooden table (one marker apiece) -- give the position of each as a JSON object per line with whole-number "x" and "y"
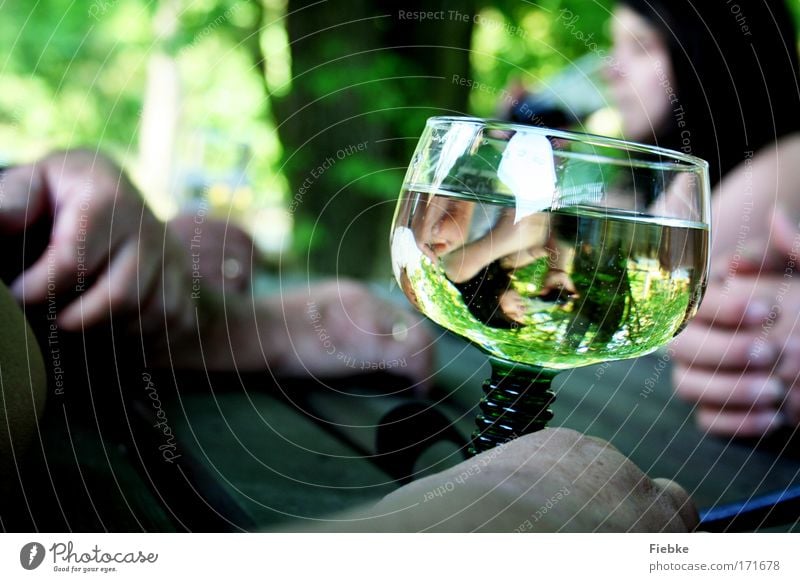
{"x": 249, "y": 453}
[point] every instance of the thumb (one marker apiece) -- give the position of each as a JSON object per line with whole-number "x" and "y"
{"x": 785, "y": 234}
{"x": 680, "y": 499}
{"x": 764, "y": 253}
{"x": 23, "y": 199}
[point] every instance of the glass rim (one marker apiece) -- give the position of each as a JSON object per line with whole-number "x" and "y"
{"x": 688, "y": 160}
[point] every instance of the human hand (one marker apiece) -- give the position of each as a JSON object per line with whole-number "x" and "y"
{"x": 552, "y": 480}
{"x": 739, "y": 359}
{"x": 339, "y": 328}
{"x": 223, "y": 252}
{"x": 107, "y": 253}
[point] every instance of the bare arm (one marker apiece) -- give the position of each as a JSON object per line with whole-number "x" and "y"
{"x": 109, "y": 256}
{"x": 331, "y": 328}
{"x": 553, "y": 480}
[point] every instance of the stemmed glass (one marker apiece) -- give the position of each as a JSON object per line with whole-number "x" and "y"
{"x": 549, "y": 250}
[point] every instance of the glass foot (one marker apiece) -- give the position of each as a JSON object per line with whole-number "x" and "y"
{"x": 517, "y": 403}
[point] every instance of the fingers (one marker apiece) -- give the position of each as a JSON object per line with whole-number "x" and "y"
{"x": 715, "y": 348}
{"x": 739, "y": 423}
{"x": 50, "y": 275}
{"x": 102, "y": 231}
{"x": 744, "y": 403}
{"x": 84, "y": 234}
{"x": 735, "y": 404}
{"x": 731, "y": 304}
{"x": 749, "y": 404}
{"x": 398, "y": 336}
{"x": 557, "y": 279}
{"x": 70, "y": 257}
{"x": 773, "y": 249}
{"x": 136, "y": 282}
{"x": 23, "y": 199}
{"x": 116, "y": 290}
{"x": 784, "y": 232}
{"x": 788, "y": 369}
{"x": 680, "y": 499}
{"x": 724, "y": 389}
{"x": 723, "y": 307}
{"x": 174, "y": 293}
{"x": 767, "y": 252}
{"x": 362, "y": 332}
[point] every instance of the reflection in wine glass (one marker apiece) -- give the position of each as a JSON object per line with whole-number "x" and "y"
{"x": 486, "y": 266}
{"x": 549, "y": 250}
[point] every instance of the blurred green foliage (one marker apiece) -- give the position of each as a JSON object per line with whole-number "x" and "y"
{"x": 289, "y": 82}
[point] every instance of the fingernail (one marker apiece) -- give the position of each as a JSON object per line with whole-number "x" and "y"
{"x": 772, "y": 390}
{"x": 762, "y": 353}
{"x": 753, "y": 252}
{"x": 756, "y": 312}
{"x": 400, "y": 331}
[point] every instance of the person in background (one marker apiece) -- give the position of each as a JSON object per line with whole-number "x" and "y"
{"x": 722, "y": 85}
{"x": 692, "y": 77}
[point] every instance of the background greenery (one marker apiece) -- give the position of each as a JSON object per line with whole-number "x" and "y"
{"x": 255, "y": 106}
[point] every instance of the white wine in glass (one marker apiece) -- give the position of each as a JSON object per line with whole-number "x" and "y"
{"x": 549, "y": 250}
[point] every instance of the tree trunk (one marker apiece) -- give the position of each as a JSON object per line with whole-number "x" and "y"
{"x": 365, "y": 78}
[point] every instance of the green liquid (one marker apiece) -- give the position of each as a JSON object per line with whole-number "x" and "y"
{"x": 592, "y": 286}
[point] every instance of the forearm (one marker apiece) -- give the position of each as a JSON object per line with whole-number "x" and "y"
{"x": 553, "y": 480}
{"x": 473, "y": 496}
{"x": 230, "y": 332}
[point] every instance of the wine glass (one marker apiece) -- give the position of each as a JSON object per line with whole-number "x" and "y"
{"x": 549, "y": 250}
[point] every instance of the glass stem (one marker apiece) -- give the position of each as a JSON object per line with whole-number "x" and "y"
{"x": 516, "y": 403}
